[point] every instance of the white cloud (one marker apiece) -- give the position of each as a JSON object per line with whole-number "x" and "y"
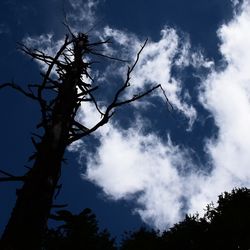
{"x": 133, "y": 165}
{"x": 158, "y": 175}
{"x": 156, "y": 63}
{"x": 82, "y": 17}
{"x": 45, "y": 43}
{"x": 235, "y": 2}
{"x": 227, "y": 95}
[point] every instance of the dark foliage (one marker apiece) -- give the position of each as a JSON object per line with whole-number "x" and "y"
{"x": 141, "y": 239}
{"x": 230, "y": 221}
{"x": 226, "y": 226}
{"x": 77, "y": 232}
{"x": 188, "y": 234}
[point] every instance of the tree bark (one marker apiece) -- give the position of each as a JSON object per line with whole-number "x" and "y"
{"x": 28, "y": 222}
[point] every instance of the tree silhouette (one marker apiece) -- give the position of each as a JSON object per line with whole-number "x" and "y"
{"x": 191, "y": 233}
{"x": 59, "y": 98}
{"x": 230, "y": 220}
{"x": 141, "y": 239}
{"x": 225, "y": 226}
{"x": 78, "y": 232}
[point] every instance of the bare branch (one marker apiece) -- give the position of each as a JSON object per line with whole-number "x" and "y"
{"x": 59, "y": 187}
{"x": 19, "y": 89}
{"x": 138, "y": 56}
{"x": 100, "y": 43}
{"x": 59, "y": 205}
{"x": 109, "y": 57}
{"x": 80, "y": 126}
{"x": 115, "y": 103}
{"x": 65, "y": 23}
{"x": 129, "y": 71}
{"x": 137, "y": 96}
{"x": 14, "y": 178}
{"x": 168, "y": 102}
{"x": 86, "y": 91}
{"x": 10, "y": 177}
{"x": 7, "y": 174}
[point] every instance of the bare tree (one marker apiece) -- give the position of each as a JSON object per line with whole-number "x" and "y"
{"x": 59, "y": 99}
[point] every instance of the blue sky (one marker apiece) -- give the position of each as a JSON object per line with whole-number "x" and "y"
{"x": 148, "y": 165}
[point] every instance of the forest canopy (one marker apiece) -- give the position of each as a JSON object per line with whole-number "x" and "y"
{"x": 225, "y": 225}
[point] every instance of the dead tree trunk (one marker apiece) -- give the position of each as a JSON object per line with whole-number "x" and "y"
{"x": 28, "y": 222}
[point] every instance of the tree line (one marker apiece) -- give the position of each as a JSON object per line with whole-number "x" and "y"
{"x": 223, "y": 226}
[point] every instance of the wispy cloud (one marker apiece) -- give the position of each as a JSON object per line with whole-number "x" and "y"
{"x": 141, "y": 167}
{"x": 82, "y": 16}
{"x": 156, "y": 63}
{"x": 159, "y": 176}
{"x": 226, "y": 94}
{"x": 46, "y": 43}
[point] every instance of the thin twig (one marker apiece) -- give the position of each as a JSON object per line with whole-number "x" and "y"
{"x": 10, "y": 177}
{"x": 14, "y": 178}
{"x": 168, "y": 102}
{"x": 109, "y": 57}
{"x": 19, "y": 89}
{"x": 137, "y": 96}
{"x": 115, "y": 103}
